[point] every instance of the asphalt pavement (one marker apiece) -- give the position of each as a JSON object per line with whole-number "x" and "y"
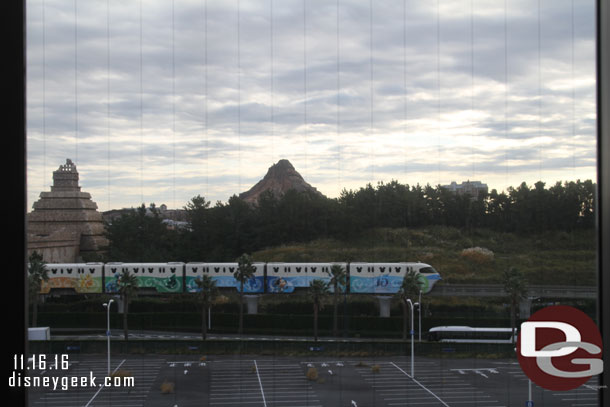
{"x": 274, "y": 381}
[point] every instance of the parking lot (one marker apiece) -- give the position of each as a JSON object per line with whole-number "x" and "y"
{"x": 268, "y": 381}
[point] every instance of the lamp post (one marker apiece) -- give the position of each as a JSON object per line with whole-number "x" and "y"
{"x": 107, "y": 306}
{"x": 419, "y": 309}
{"x": 411, "y": 305}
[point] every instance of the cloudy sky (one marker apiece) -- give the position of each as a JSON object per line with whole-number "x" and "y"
{"x": 158, "y": 101}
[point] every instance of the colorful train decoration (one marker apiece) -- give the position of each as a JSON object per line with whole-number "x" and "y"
{"x": 269, "y": 278}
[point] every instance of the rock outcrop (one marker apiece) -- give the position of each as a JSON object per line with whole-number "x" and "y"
{"x": 280, "y": 178}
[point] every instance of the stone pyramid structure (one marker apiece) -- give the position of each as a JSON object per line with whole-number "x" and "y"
{"x": 65, "y": 225}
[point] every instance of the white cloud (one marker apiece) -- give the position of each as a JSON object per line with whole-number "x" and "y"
{"x": 151, "y": 121}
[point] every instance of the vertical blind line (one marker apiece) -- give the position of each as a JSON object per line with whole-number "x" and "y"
{"x": 472, "y": 121}
{"x": 141, "y": 115}
{"x": 573, "y": 95}
{"x": 405, "y": 112}
{"x": 173, "y": 111}
{"x": 75, "y": 84}
{"x": 371, "y": 135}
{"x": 506, "y": 90}
{"x": 238, "y": 98}
{"x": 44, "y": 109}
{"x": 44, "y": 96}
{"x": 438, "y": 87}
{"x": 305, "y": 80}
{"x": 539, "y": 93}
{"x": 205, "y": 100}
{"x": 173, "y": 104}
{"x": 108, "y": 104}
{"x": 271, "y": 89}
{"x": 338, "y": 99}
{"x": 404, "y": 77}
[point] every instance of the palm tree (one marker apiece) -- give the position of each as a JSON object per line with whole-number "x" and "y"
{"x": 245, "y": 271}
{"x": 207, "y": 294}
{"x": 37, "y": 273}
{"x": 128, "y": 286}
{"x": 515, "y": 286}
{"x": 409, "y": 290}
{"x": 318, "y": 289}
{"x": 338, "y": 277}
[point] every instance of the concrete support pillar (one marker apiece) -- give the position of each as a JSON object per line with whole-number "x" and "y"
{"x": 384, "y": 305}
{"x": 252, "y": 304}
{"x": 525, "y": 307}
{"x": 119, "y": 304}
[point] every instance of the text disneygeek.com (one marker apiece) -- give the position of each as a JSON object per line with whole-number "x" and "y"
{"x": 22, "y": 366}
{"x": 65, "y": 382}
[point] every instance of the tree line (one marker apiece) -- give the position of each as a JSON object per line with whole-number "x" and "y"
{"x": 225, "y": 230}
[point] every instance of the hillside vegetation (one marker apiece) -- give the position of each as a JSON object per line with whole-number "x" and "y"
{"x": 546, "y": 233}
{"x": 559, "y": 258}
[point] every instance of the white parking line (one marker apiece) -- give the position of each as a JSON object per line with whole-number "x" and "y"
{"x": 260, "y": 383}
{"x": 421, "y": 385}
{"x": 98, "y": 392}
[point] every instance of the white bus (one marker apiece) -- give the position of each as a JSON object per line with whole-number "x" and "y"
{"x": 467, "y": 334}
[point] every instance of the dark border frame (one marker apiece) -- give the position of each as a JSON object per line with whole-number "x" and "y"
{"x": 15, "y": 318}
{"x": 14, "y": 108}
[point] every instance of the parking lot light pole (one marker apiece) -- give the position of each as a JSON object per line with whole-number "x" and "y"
{"x": 411, "y": 305}
{"x": 107, "y": 306}
{"x": 419, "y": 309}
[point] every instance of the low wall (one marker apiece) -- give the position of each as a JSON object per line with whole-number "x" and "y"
{"x": 361, "y": 348}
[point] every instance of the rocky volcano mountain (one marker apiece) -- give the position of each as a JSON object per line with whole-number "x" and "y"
{"x": 280, "y": 178}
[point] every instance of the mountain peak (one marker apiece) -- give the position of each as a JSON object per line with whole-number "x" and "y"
{"x": 280, "y": 178}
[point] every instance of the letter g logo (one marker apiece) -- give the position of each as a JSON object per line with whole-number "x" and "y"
{"x": 555, "y": 344}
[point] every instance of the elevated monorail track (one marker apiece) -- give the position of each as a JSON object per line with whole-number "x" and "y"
{"x": 444, "y": 289}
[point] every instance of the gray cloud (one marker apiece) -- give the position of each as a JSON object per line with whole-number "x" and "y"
{"x": 166, "y": 117}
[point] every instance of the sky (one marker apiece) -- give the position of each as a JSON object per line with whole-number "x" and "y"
{"x": 157, "y": 101}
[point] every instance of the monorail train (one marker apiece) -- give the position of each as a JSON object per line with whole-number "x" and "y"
{"x": 271, "y": 278}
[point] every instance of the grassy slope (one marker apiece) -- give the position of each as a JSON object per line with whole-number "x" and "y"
{"x": 558, "y": 258}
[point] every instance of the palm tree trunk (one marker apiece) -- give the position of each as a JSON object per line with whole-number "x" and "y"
{"x": 125, "y": 311}
{"x": 204, "y": 324}
{"x": 241, "y": 308}
{"x": 512, "y": 321}
{"x": 335, "y": 306}
{"x": 315, "y": 322}
{"x": 34, "y": 310}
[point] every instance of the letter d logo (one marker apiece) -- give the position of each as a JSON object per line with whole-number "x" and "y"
{"x": 528, "y": 338}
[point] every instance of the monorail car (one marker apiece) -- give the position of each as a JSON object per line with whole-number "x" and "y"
{"x": 270, "y": 278}
{"x": 386, "y": 278}
{"x": 159, "y": 277}
{"x": 82, "y": 278}
{"x": 223, "y": 273}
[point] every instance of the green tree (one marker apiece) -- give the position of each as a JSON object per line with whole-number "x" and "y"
{"x": 338, "y": 279}
{"x": 206, "y": 295}
{"x": 245, "y": 271}
{"x": 515, "y": 286}
{"x": 409, "y": 290}
{"x": 37, "y": 273}
{"x": 141, "y": 236}
{"x": 197, "y": 214}
{"x": 318, "y": 290}
{"x": 128, "y": 286}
